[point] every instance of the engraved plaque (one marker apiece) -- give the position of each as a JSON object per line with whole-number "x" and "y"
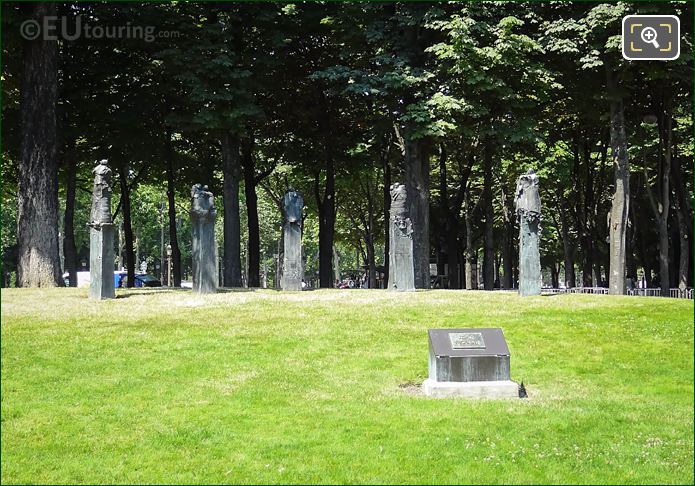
{"x": 466, "y": 340}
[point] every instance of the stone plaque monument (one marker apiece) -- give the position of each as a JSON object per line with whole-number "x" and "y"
{"x": 101, "y": 253}
{"x": 204, "y": 246}
{"x": 528, "y": 211}
{"x": 292, "y": 267}
{"x": 469, "y": 363}
{"x": 401, "y": 266}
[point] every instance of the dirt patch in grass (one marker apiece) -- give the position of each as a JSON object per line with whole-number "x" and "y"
{"x": 411, "y": 388}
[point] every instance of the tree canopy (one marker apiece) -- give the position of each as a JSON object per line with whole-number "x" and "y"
{"x": 339, "y": 101}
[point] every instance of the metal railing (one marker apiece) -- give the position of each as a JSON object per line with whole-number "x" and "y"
{"x": 676, "y": 293}
{"x": 578, "y": 290}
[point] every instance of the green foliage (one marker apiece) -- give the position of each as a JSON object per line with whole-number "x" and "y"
{"x": 350, "y": 83}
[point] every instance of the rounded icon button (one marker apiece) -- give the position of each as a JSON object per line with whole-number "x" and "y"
{"x": 30, "y": 29}
{"x": 650, "y": 37}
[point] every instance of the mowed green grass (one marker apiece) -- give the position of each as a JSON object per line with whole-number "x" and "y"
{"x": 267, "y": 387}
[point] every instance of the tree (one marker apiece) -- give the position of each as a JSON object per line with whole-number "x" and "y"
{"x": 37, "y": 218}
{"x": 488, "y": 56}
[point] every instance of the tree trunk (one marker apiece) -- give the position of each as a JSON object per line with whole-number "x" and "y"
{"x": 683, "y": 214}
{"x": 674, "y": 251}
{"x": 567, "y": 248}
{"x": 452, "y": 248}
{"x": 127, "y": 224}
{"x": 455, "y": 272}
{"x": 450, "y": 244}
{"x": 587, "y": 263}
{"x": 37, "y": 218}
{"x": 69, "y": 247}
{"x": 660, "y": 206}
{"x": 583, "y": 188}
{"x": 630, "y": 240}
{"x": 326, "y": 225}
{"x": 555, "y": 275}
{"x": 254, "y": 242}
{"x": 440, "y": 250}
{"x": 488, "y": 242}
{"x": 450, "y": 220}
{"x": 371, "y": 263}
{"x": 620, "y": 204}
{"x": 666, "y": 145}
{"x": 469, "y": 253}
{"x": 598, "y": 275}
{"x": 387, "y": 210}
{"x": 507, "y": 242}
{"x": 417, "y": 177}
{"x": 171, "y": 197}
{"x": 278, "y": 262}
{"x": 232, "y": 223}
{"x": 369, "y": 226}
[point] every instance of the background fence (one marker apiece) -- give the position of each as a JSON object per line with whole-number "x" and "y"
{"x": 654, "y": 292}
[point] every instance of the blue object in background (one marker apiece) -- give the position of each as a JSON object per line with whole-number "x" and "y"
{"x": 119, "y": 279}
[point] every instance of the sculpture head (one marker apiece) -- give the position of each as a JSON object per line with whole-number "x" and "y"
{"x": 101, "y": 195}
{"x": 399, "y": 198}
{"x": 398, "y": 190}
{"x": 527, "y": 198}
{"x": 102, "y": 172}
{"x": 292, "y": 204}
{"x": 202, "y": 200}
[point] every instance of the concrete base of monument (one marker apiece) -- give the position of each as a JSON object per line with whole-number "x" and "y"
{"x": 470, "y": 389}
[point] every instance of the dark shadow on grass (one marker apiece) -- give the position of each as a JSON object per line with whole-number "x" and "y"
{"x": 150, "y": 291}
{"x": 272, "y": 289}
{"x": 229, "y": 290}
{"x": 222, "y": 290}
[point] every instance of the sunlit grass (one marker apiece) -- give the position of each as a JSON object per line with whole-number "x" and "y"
{"x": 265, "y": 387}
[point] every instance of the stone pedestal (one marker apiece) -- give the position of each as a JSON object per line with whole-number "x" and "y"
{"x": 529, "y": 257}
{"x": 292, "y": 269}
{"x": 292, "y": 263}
{"x": 471, "y": 363}
{"x": 101, "y": 260}
{"x": 204, "y": 257}
{"x": 528, "y": 211}
{"x": 471, "y": 389}
{"x": 401, "y": 260}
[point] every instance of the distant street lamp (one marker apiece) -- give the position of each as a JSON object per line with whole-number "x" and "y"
{"x": 169, "y": 265}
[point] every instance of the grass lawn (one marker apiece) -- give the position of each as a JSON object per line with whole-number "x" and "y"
{"x": 263, "y": 387}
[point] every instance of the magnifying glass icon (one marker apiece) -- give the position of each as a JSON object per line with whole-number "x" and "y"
{"x": 648, "y": 35}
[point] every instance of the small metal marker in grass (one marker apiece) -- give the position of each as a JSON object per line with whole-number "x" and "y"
{"x": 471, "y": 363}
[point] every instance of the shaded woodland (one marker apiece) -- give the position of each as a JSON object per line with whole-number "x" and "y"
{"x": 339, "y": 101}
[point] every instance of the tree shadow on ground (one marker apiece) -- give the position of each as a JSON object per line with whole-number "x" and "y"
{"x": 150, "y": 291}
{"x": 221, "y": 290}
{"x": 229, "y": 290}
